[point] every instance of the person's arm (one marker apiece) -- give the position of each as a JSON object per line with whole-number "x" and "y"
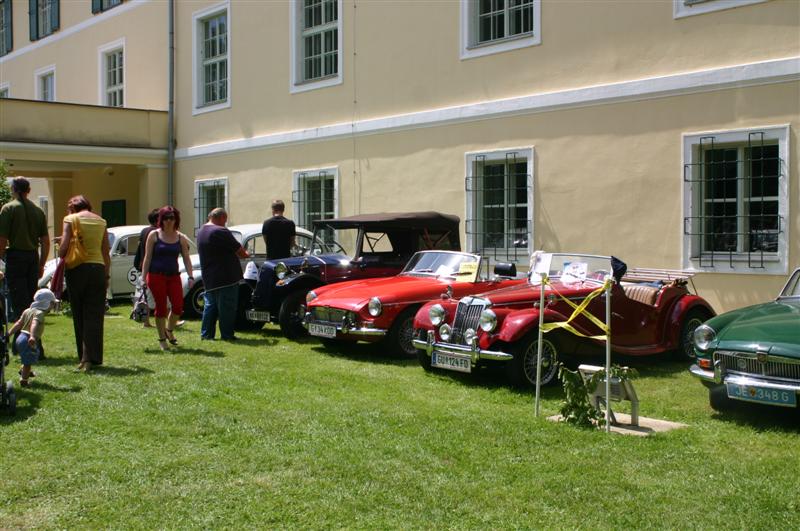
{"x": 66, "y": 236}
{"x": 106, "y": 249}
{"x": 35, "y": 325}
{"x": 187, "y": 260}
{"x": 148, "y": 253}
{"x": 44, "y": 241}
{"x": 241, "y": 252}
{"x": 16, "y": 326}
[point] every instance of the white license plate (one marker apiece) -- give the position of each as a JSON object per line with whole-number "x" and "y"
{"x": 321, "y": 330}
{"x": 451, "y": 362}
{"x": 763, "y": 395}
{"x": 256, "y": 315}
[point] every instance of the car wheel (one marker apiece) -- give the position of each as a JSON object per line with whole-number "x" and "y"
{"x": 718, "y": 399}
{"x": 290, "y": 317}
{"x": 193, "y": 304}
{"x": 521, "y": 370}
{"x": 692, "y": 319}
{"x": 245, "y": 302}
{"x": 401, "y": 333}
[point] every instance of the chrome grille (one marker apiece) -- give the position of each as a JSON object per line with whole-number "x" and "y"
{"x": 747, "y": 363}
{"x": 468, "y": 313}
{"x": 327, "y": 314}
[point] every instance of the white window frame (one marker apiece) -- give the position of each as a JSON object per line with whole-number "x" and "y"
{"x": 198, "y": 18}
{"x": 682, "y": 9}
{"x": 37, "y": 80}
{"x": 300, "y": 175}
{"x": 102, "y": 73}
{"x": 500, "y": 154}
{"x": 296, "y": 82}
{"x": 5, "y": 87}
{"x": 45, "y": 7}
{"x": 469, "y": 28}
{"x": 774, "y": 264}
{"x": 44, "y": 204}
{"x": 198, "y": 184}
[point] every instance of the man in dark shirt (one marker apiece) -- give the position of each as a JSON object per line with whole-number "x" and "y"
{"x": 152, "y": 218}
{"x": 219, "y": 262}
{"x": 278, "y": 233}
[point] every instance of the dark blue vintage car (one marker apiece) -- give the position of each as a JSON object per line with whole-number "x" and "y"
{"x": 350, "y": 248}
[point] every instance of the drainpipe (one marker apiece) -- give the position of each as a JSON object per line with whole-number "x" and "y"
{"x": 171, "y": 108}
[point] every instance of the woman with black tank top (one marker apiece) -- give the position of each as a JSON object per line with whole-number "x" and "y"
{"x": 160, "y": 270}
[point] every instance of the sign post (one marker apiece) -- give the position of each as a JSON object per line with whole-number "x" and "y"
{"x": 539, "y": 342}
{"x": 608, "y": 355}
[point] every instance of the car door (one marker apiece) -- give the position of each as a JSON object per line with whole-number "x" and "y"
{"x": 123, "y": 274}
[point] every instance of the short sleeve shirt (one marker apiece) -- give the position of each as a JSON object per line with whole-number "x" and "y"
{"x": 28, "y": 317}
{"x": 218, "y": 261}
{"x": 279, "y": 232}
{"x": 23, "y": 223}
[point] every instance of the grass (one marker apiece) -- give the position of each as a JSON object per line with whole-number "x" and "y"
{"x": 270, "y": 433}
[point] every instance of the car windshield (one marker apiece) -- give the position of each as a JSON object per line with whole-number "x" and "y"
{"x": 569, "y": 267}
{"x": 792, "y": 287}
{"x": 329, "y": 241}
{"x": 461, "y": 266}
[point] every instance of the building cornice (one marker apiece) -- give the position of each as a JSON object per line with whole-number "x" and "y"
{"x": 113, "y": 151}
{"x": 745, "y": 75}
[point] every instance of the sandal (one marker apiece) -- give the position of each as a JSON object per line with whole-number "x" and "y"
{"x": 24, "y": 383}
{"x": 30, "y": 374}
{"x": 162, "y": 343}
{"x": 171, "y": 336}
{"x": 85, "y": 366}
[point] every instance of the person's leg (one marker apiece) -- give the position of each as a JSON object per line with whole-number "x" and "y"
{"x": 76, "y": 286}
{"x": 94, "y": 309}
{"x": 17, "y": 271}
{"x": 158, "y": 287}
{"x": 27, "y": 357}
{"x": 228, "y": 300}
{"x": 175, "y": 295}
{"x": 208, "y": 325}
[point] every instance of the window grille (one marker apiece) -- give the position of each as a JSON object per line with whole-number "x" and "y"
{"x": 499, "y": 225}
{"x": 314, "y": 198}
{"x": 114, "y": 79}
{"x": 214, "y": 63}
{"x": 499, "y": 19}
{"x": 6, "y": 41}
{"x": 98, "y": 6}
{"x": 46, "y": 17}
{"x": 320, "y": 38}
{"x": 210, "y": 195}
{"x": 735, "y": 191}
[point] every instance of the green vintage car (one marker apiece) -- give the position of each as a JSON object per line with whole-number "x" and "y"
{"x": 752, "y": 354}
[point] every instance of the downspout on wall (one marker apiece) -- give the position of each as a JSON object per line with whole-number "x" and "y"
{"x": 171, "y": 107}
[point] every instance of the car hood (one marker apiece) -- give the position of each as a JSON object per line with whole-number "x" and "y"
{"x": 773, "y": 327}
{"x": 353, "y": 294}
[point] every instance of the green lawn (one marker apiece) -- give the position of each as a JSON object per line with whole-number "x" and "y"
{"x": 270, "y": 433}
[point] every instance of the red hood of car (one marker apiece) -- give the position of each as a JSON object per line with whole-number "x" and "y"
{"x": 527, "y": 293}
{"x": 351, "y": 295}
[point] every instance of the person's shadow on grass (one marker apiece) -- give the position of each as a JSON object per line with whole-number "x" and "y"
{"x": 178, "y": 349}
{"x": 107, "y": 370}
{"x": 29, "y": 398}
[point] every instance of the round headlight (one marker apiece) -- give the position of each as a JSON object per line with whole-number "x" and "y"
{"x": 281, "y": 270}
{"x": 437, "y": 314}
{"x": 374, "y": 307}
{"x": 703, "y": 336}
{"x": 488, "y": 320}
{"x": 310, "y": 296}
{"x": 445, "y": 331}
{"x": 470, "y": 335}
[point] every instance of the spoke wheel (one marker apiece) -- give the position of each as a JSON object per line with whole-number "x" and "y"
{"x": 691, "y": 321}
{"x": 291, "y": 315}
{"x": 401, "y": 333}
{"x": 522, "y": 369}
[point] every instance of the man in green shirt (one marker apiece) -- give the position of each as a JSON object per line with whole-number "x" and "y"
{"x": 23, "y": 229}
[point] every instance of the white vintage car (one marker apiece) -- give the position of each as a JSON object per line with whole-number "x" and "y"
{"x": 123, "y": 241}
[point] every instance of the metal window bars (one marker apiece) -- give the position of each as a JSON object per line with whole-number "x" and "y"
{"x": 499, "y": 225}
{"x": 313, "y": 199}
{"x": 210, "y": 195}
{"x": 735, "y": 198}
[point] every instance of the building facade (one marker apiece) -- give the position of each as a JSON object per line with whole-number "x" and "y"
{"x": 662, "y": 132}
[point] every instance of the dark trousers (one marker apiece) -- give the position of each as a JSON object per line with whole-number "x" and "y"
{"x": 22, "y": 275}
{"x": 86, "y": 285}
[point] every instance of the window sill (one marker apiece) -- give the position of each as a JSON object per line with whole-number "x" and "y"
{"x": 313, "y": 84}
{"x": 500, "y": 46}
{"x": 681, "y": 10}
{"x": 211, "y": 108}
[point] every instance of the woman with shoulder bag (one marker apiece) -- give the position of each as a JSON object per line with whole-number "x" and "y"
{"x": 160, "y": 271}
{"x": 85, "y": 247}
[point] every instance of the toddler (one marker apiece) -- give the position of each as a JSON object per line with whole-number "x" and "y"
{"x": 31, "y": 327}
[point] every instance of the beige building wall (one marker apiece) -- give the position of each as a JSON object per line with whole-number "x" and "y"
{"x": 73, "y": 50}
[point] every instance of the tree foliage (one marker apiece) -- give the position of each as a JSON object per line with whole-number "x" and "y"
{"x": 5, "y": 189}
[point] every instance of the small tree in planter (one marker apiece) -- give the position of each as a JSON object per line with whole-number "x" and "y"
{"x": 577, "y": 409}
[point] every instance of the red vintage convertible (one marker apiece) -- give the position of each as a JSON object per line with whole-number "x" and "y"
{"x": 652, "y": 311}
{"x": 383, "y": 309}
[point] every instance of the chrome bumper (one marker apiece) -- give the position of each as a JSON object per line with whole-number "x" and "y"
{"x": 346, "y": 329}
{"x": 472, "y": 350}
{"x": 716, "y": 377}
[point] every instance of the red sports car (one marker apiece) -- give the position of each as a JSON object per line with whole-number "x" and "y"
{"x": 652, "y": 311}
{"x": 383, "y": 309}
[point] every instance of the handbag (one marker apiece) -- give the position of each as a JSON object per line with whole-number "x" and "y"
{"x": 57, "y": 281}
{"x": 76, "y": 253}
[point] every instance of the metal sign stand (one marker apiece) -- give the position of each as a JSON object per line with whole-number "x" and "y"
{"x": 539, "y": 342}
{"x": 608, "y": 356}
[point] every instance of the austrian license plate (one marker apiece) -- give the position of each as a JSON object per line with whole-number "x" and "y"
{"x": 321, "y": 330}
{"x": 256, "y": 315}
{"x": 763, "y": 395}
{"x": 451, "y": 362}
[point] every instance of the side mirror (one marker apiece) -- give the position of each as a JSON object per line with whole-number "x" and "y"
{"x": 502, "y": 269}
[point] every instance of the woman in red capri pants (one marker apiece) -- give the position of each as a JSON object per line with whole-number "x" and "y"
{"x": 160, "y": 270}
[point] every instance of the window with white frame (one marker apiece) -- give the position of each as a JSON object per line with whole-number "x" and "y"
{"x": 499, "y": 188}
{"x": 208, "y": 195}
{"x": 687, "y": 8}
{"x": 492, "y": 26}
{"x": 212, "y": 67}
{"x": 316, "y": 27}
{"x": 314, "y": 195}
{"x": 6, "y": 39}
{"x": 113, "y": 78}
{"x": 5, "y": 91}
{"x": 46, "y": 85}
{"x": 44, "y": 15}
{"x": 736, "y": 200}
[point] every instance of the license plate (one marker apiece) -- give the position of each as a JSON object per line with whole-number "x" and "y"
{"x": 321, "y": 330}
{"x": 256, "y": 315}
{"x": 763, "y": 395}
{"x": 451, "y": 362}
